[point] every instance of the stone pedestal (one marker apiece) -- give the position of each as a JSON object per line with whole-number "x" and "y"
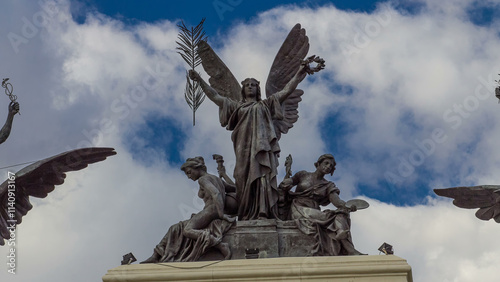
{"x": 273, "y": 239}
{"x": 380, "y": 268}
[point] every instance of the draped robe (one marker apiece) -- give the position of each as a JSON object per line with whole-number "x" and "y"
{"x": 175, "y": 247}
{"x": 323, "y": 225}
{"x": 256, "y": 148}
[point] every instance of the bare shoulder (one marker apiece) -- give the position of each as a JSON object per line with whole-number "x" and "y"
{"x": 208, "y": 179}
{"x": 302, "y": 174}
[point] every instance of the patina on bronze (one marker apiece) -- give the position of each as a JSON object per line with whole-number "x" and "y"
{"x": 188, "y": 240}
{"x": 272, "y": 220}
{"x": 13, "y": 110}
{"x": 330, "y": 228}
{"x": 257, "y": 123}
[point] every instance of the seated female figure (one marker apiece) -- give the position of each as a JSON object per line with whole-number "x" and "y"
{"x": 330, "y": 228}
{"x": 188, "y": 240}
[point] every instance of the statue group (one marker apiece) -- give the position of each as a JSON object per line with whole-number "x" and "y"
{"x": 257, "y": 125}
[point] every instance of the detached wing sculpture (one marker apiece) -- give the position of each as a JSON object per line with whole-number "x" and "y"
{"x": 484, "y": 197}
{"x": 286, "y": 64}
{"x": 38, "y": 180}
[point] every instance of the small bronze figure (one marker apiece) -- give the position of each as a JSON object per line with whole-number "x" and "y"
{"x": 330, "y": 228}
{"x": 188, "y": 240}
{"x": 13, "y": 110}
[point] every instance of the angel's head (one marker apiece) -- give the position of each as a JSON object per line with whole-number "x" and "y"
{"x": 250, "y": 88}
{"x": 194, "y": 168}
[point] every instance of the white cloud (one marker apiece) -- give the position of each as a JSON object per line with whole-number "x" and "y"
{"x": 96, "y": 82}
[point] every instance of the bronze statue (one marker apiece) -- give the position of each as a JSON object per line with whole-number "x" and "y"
{"x": 256, "y": 123}
{"x": 5, "y": 132}
{"x": 330, "y": 228}
{"x": 188, "y": 240}
{"x": 13, "y": 110}
{"x": 38, "y": 180}
{"x": 485, "y": 198}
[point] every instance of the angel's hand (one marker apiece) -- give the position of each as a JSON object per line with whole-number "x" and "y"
{"x": 302, "y": 72}
{"x": 313, "y": 59}
{"x": 194, "y": 75}
{"x": 14, "y": 108}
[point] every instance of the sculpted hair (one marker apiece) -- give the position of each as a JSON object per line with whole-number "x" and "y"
{"x": 243, "y": 88}
{"x": 196, "y": 163}
{"x": 324, "y": 157}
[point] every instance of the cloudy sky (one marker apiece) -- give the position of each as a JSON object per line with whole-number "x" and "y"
{"x": 406, "y": 104}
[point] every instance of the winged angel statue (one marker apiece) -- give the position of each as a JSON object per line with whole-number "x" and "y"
{"x": 256, "y": 123}
{"x": 37, "y": 180}
{"x": 485, "y": 197}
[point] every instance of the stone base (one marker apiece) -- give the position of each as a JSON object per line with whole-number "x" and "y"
{"x": 380, "y": 268}
{"x": 273, "y": 238}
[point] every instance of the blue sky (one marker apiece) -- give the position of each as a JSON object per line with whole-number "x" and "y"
{"x": 406, "y": 104}
{"x": 220, "y": 14}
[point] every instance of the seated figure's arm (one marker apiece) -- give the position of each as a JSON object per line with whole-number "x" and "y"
{"x": 339, "y": 203}
{"x": 230, "y": 188}
{"x": 288, "y": 183}
{"x": 5, "y": 132}
{"x": 336, "y": 201}
{"x": 227, "y": 179}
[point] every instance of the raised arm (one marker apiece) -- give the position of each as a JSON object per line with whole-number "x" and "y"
{"x": 5, "y": 132}
{"x": 209, "y": 91}
{"x": 292, "y": 84}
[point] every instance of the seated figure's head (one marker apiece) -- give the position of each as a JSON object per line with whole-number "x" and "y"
{"x": 250, "y": 87}
{"x": 194, "y": 167}
{"x": 330, "y": 159}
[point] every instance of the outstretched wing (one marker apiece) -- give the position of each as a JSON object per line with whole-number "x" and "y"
{"x": 484, "y": 197}
{"x": 39, "y": 179}
{"x": 221, "y": 79}
{"x": 285, "y": 66}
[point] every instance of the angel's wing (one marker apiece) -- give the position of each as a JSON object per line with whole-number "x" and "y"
{"x": 285, "y": 66}
{"x": 221, "y": 79}
{"x": 484, "y": 197}
{"x": 293, "y": 50}
{"x": 39, "y": 179}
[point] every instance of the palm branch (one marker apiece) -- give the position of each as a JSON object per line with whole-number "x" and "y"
{"x": 187, "y": 46}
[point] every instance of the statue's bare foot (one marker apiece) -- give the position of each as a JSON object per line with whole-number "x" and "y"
{"x": 225, "y": 250}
